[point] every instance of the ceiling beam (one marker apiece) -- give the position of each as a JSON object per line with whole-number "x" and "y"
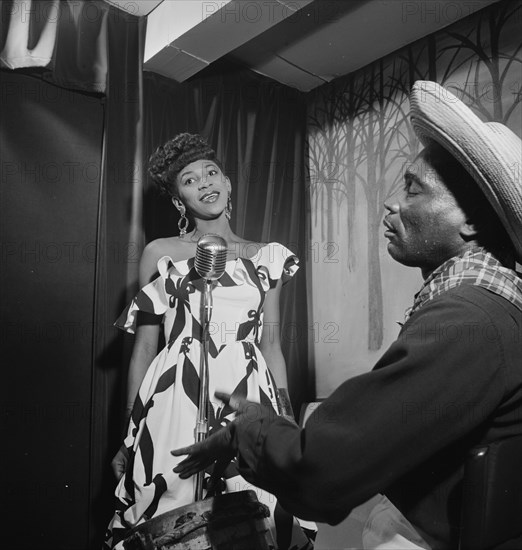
{"x": 139, "y": 8}
{"x": 185, "y": 36}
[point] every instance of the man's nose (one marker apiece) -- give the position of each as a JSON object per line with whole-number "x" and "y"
{"x": 391, "y": 204}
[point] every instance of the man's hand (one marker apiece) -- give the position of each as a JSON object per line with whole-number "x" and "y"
{"x": 218, "y": 446}
{"x": 221, "y": 445}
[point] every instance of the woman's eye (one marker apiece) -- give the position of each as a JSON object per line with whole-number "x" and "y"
{"x": 212, "y": 172}
{"x": 189, "y": 181}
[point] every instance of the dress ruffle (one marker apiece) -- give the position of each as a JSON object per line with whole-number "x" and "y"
{"x": 272, "y": 262}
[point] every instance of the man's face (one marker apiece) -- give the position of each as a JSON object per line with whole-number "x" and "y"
{"x": 424, "y": 224}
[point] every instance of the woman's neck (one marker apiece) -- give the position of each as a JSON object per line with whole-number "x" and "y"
{"x": 219, "y": 227}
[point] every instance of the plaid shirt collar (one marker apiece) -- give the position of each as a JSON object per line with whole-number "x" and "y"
{"x": 474, "y": 267}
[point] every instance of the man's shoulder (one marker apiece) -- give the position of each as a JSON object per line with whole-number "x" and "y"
{"x": 471, "y": 302}
{"x": 479, "y": 296}
{"x": 471, "y": 317}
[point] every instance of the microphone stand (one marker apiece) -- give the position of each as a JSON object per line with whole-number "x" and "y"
{"x": 201, "y": 430}
{"x": 210, "y": 264}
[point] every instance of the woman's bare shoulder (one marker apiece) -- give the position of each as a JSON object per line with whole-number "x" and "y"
{"x": 175, "y": 248}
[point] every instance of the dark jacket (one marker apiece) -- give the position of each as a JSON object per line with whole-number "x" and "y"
{"x": 451, "y": 380}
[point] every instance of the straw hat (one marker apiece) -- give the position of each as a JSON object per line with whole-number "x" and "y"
{"x": 489, "y": 151}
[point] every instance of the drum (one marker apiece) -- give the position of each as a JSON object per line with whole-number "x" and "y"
{"x": 233, "y": 521}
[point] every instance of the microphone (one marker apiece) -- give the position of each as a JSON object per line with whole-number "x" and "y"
{"x": 210, "y": 263}
{"x": 211, "y": 257}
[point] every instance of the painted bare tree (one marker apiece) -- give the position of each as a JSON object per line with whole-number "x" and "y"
{"x": 354, "y": 101}
{"x": 334, "y": 156}
{"x": 417, "y": 63}
{"x": 360, "y": 123}
{"x": 326, "y": 153}
{"x": 479, "y": 71}
{"x": 385, "y": 144}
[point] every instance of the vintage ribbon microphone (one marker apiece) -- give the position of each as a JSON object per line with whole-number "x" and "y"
{"x": 210, "y": 263}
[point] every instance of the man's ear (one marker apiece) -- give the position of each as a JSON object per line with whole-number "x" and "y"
{"x": 468, "y": 230}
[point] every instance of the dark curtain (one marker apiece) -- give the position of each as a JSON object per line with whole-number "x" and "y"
{"x": 257, "y": 128}
{"x": 55, "y": 134}
{"x": 118, "y": 247}
{"x": 50, "y": 146}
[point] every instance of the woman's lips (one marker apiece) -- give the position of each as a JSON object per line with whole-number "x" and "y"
{"x": 210, "y": 197}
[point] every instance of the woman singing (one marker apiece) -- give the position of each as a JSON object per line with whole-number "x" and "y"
{"x": 244, "y": 356}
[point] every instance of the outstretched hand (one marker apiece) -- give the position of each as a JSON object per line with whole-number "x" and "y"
{"x": 222, "y": 445}
{"x": 219, "y": 446}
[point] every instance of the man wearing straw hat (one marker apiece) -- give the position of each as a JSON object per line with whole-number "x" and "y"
{"x": 452, "y": 379}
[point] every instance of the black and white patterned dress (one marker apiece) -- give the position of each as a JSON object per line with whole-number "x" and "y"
{"x": 165, "y": 410}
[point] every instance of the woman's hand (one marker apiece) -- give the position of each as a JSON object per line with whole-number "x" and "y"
{"x": 119, "y": 462}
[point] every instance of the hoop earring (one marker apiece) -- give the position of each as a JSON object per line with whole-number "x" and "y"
{"x": 183, "y": 223}
{"x": 228, "y": 208}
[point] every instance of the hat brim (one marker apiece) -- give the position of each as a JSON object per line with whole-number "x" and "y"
{"x": 489, "y": 151}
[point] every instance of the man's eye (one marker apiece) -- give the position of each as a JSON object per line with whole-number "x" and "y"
{"x": 409, "y": 188}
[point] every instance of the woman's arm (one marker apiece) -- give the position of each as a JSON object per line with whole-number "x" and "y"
{"x": 147, "y": 331}
{"x": 270, "y": 347}
{"x": 143, "y": 352}
{"x": 270, "y": 344}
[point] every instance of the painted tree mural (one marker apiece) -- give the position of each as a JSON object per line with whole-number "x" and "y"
{"x": 492, "y": 83}
{"x": 360, "y": 139}
{"x": 366, "y": 135}
{"x": 383, "y": 147}
{"x": 327, "y": 188}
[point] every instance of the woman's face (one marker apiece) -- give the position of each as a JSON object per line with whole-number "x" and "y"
{"x": 203, "y": 189}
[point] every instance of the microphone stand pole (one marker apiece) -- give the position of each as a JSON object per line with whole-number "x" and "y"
{"x": 201, "y": 431}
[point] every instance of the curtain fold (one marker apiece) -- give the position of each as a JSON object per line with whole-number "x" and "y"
{"x": 257, "y": 127}
{"x": 119, "y": 244}
{"x": 50, "y": 158}
{"x": 90, "y": 46}
{"x": 67, "y": 40}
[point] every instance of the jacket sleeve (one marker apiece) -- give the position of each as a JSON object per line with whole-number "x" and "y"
{"x": 437, "y": 382}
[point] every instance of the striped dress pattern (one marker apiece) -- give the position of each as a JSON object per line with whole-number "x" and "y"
{"x": 165, "y": 409}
